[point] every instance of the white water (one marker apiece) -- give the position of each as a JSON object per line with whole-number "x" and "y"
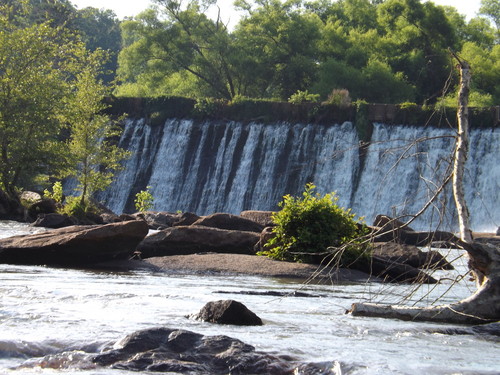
{"x": 229, "y": 167}
{"x": 49, "y": 311}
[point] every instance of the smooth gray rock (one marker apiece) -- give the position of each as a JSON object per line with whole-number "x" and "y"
{"x": 186, "y": 240}
{"x": 229, "y": 222}
{"x": 75, "y": 245}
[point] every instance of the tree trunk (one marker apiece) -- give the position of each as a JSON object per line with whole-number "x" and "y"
{"x": 461, "y": 150}
{"x": 484, "y": 305}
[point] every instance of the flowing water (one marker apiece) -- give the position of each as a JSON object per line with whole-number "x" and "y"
{"x": 221, "y": 166}
{"x": 63, "y": 315}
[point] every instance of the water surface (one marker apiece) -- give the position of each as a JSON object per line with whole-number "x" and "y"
{"x": 49, "y": 311}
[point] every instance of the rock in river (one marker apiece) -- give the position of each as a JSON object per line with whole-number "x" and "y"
{"x": 183, "y": 352}
{"x": 75, "y": 245}
{"x": 185, "y": 240}
{"x": 228, "y": 312}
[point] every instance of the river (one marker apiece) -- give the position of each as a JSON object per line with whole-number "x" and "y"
{"x": 71, "y": 313}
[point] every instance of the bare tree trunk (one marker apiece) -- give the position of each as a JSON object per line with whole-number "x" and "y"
{"x": 484, "y": 305}
{"x": 461, "y": 151}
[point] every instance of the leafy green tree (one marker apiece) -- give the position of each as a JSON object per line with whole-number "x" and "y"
{"x": 93, "y": 158}
{"x": 279, "y": 44}
{"x": 485, "y": 87}
{"x": 183, "y": 39}
{"x": 420, "y": 35}
{"x": 491, "y": 9}
{"x": 100, "y": 28}
{"x": 37, "y": 66}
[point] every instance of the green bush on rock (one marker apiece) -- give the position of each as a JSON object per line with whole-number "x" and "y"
{"x": 307, "y": 226}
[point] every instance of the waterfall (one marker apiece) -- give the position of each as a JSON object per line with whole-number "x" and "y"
{"x": 217, "y": 166}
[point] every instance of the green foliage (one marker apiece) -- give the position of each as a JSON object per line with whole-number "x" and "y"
{"x": 93, "y": 157}
{"x": 38, "y": 64}
{"x": 408, "y": 105}
{"x": 362, "y": 123}
{"x": 389, "y": 51}
{"x": 144, "y": 200}
{"x": 207, "y": 107}
{"x": 303, "y": 97}
{"x": 74, "y": 206}
{"x": 310, "y": 224}
{"x": 56, "y": 194}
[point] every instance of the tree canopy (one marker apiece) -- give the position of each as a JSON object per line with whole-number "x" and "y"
{"x": 52, "y": 120}
{"x": 388, "y": 51}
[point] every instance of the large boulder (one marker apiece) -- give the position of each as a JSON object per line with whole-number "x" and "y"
{"x": 228, "y": 312}
{"x": 398, "y": 272}
{"x": 54, "y": 221}
{"x": 185, "y": 240}
{"x": 426, "y": 238}
{"x": 387, "y": 229}
{"x": 229, "y": 222}
{"x": 41, "y": 207}
{"x": 75, "y": 245}
{"x": 183, "y": 352}
{"x": 159, "y": 220}
{"x": 264, "y": 218}
{"x": 410, "y": 255}
{"x": 186, "y": 218}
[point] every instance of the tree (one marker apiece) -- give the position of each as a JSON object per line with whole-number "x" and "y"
{"x": 100, "y": 28}
{"x": 484, "y": 305}
{"x": 179, "y": 38}
{"x": 419, "y": 35}
{"x": 491, "y": 9}
{"x": 37, "y": 67}
{"x": 93, "y": 158}
{"x": 278, "y": 43}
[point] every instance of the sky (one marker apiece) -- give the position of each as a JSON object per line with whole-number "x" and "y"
{"x": 129, "y": 8}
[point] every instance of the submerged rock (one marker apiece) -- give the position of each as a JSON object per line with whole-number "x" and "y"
{"x": 75, "y": 245}
{"x": 488, "y": 331}
{"x": 228, "y": 312}
{"x": 179, "y": 351}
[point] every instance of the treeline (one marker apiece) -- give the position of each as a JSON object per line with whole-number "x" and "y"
{"x": 391, "y": 51}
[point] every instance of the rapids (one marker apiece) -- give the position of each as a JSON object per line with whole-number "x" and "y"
{"x": 53, "y": 319}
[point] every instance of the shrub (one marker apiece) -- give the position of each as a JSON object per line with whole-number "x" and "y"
{"x": 57, "y": 192}
{"x": 73, "y": 206}
{"x": 144, "y": 200}
{"x": 303, "y": 97}
{"x": 207, "y": 107}
{"x": 408, "y": 105}
{"x": 306, "y": 226}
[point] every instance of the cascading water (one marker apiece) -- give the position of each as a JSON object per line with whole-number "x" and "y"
{"x": 216, "y": 166}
